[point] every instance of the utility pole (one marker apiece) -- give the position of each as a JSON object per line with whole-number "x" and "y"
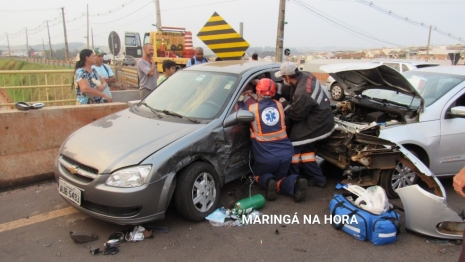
{"x": 157, "y": 11}
{"x": 87, "y": 26}
{"x": 43, "y": 46}
{"x": 427, "y": 47}
{"x": 280, "y": 33}
{"x": 27, "y": 45}
{"x": 66, "y": 37}
{"x": 50, "y": 42}
{"x": 8, "y": 41}
{"x": 92, "y": 32}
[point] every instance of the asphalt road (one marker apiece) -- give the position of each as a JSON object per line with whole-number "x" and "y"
{"x": 35, "y": 224}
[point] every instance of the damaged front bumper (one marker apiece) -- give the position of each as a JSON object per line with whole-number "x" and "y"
{"x": 427, "y": 213}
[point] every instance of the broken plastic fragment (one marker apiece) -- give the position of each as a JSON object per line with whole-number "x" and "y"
{"x": 81, "y": 238}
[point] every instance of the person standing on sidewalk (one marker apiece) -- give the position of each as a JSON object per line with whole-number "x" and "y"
{"x": 88, "y": 84}
{"x": 104, "y": 70}
{"x": 146, "y": 71}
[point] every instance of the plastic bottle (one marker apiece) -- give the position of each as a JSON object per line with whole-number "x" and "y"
{"x": 247, "y": 205}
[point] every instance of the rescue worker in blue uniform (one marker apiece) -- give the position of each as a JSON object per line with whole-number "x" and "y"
{"x": 271, "y": 148}
{"x": 309, "y": 118}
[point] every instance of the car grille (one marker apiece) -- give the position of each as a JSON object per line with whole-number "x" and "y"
{"x": 111, "y": 211}
{"x": 82, "y": 172}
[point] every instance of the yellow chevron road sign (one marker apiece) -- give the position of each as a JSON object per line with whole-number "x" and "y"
{"x": 222, "y": 39}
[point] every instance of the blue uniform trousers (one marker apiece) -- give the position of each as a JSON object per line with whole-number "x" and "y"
{"x": 275, "y": 170}
{"x": 304, "y": 163}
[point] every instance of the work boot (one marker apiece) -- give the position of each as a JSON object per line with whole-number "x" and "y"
{"x": 271, "y": 190}
{"x": 311, "y": 183}
{"x": 300, "y": 189}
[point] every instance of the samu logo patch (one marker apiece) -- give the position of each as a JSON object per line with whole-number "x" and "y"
{"x": 270, "y": 116}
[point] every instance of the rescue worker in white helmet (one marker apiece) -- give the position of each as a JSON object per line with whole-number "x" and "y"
{"x": 271, "y": 148}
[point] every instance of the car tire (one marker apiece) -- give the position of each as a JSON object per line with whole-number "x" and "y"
{"x": 399, "y": 177}
{"x": 337, "y": 92}
{"x": 198, "y": 191}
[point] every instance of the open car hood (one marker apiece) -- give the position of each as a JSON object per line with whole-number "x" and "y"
{"x": 357, "y": 77}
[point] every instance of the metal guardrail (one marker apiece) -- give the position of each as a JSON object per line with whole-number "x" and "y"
{"x": 64, "y": 63}
{"x": 51, "y": 87}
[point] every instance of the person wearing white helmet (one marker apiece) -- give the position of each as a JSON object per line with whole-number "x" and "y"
{"x": 309, "y": 119}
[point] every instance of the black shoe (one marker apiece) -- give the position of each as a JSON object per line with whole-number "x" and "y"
{"x": 300, "y": 189}
{"x": 311, "y": 183}
{"x": 271, "y": 190}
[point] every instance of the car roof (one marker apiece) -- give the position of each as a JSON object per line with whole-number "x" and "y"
{"x": 455, "y": 70}
{"x": 415, "y": 63}
{"x": 235, "y": 67}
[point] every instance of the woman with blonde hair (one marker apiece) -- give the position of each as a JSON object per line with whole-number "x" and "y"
{"x": 88, "y": 83}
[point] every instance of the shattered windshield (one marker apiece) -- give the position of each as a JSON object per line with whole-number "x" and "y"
{"x": 193, "y": 94}
{"x": 432, "y": 86}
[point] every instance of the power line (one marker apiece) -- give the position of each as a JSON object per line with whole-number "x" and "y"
{"x": 28, "y": 10}
{"x": 339, "y": 24}
{"x": 125, "y": 16}
{"x": 406, "y": 19}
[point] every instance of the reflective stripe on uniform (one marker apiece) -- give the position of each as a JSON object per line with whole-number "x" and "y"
{"x": 270, "y": 136}
{"x": 255, "y": 124}
{"x": 316, "y": 91}
{"x": 296, "y": 159}
{"x": 308, "y": 157}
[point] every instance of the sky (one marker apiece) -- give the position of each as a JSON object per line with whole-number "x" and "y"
{"x": 313, "y": 24}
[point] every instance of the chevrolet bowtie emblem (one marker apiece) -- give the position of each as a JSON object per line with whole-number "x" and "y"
{"x": 73, "y": 169}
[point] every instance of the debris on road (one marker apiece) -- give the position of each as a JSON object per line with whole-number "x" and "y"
{"x": 82, "y": 238}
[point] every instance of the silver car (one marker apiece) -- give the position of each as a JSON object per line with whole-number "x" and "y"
{"x": 338, "y": 93}
{"x": 181, "y": 144}
{"x": 124, "y": 60}
{"x": 426, "y": 114}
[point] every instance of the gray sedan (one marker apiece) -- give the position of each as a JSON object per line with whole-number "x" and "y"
{"x": 181, "y": 144}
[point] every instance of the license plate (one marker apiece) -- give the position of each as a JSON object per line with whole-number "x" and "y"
{"x": 69, "y": 191}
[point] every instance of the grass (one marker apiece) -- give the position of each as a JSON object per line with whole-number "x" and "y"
{"x": 36, "y": 94}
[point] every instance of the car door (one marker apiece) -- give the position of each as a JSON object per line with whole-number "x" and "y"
{"x": 451, "y": 150}
{"x": 237, "y": 138}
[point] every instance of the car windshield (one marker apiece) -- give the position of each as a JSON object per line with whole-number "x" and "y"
{"x": 394, "y": 97}
{"x": 193, "y": 94}
{"x": 432, "y": 86}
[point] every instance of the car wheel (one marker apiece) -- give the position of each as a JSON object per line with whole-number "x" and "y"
{"x": 337, "y": 92}
{"x": 198, "y": 191}
{"x": 401, "y": 176}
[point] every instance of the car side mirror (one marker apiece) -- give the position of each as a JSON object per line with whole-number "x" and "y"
{"x": 456, "y": 111}
{"x": 241, "y": 116}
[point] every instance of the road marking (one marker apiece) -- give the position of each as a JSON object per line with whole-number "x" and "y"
{"x": 36, "y": 219}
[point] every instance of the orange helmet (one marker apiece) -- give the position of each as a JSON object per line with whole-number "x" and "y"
{"x": 266, "y": 87}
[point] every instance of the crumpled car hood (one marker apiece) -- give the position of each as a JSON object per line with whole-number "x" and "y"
{"x": 122, "y": 139}
{"x": 357, "y": 77}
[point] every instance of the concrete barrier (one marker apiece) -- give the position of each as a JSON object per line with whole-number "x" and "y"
{"x": 125, "y": 96}
{"x": 30, "y": 140}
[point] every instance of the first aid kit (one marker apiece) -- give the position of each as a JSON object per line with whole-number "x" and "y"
{"x": 380, "y": 229}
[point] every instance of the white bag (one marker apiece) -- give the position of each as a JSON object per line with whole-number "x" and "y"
{"x": 373, "y": 199}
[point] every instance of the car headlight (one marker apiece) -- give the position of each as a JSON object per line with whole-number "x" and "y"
{"x": 129, "y": 177}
